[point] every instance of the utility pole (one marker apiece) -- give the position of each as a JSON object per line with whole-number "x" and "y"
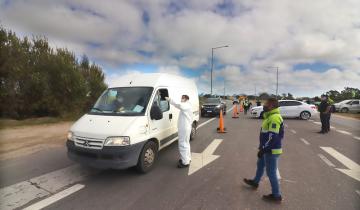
{"x": 224, "y": 89}
{"x": 212, "y": 65}
{"x": 277, "y": 79}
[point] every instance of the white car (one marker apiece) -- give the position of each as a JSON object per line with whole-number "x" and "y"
{"x": 289, "y": 109}
{"x": 352, "y": 105}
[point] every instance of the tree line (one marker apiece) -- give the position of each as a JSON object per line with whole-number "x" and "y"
{"x": 37, "y": 80}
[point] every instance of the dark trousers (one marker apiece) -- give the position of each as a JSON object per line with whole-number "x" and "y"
{"x": 246, "y": 109}
{"x": 328, "y": 121}
{"x": 325, "y": 122}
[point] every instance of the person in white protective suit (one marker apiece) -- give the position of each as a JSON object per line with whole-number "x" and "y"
{"x": 184, "y": 129}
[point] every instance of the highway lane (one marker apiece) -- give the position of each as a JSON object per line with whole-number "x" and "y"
{"x": 307, "y": 181}
{"x": 343, "y": 123}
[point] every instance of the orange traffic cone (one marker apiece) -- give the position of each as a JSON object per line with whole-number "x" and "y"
{"x": 221, "y": 128}
{"x": 235, "y": 112}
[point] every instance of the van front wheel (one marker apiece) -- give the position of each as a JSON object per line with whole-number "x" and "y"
{"x": 147, "y": 157}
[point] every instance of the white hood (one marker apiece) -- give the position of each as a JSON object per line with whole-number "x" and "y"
{"x": 100, "y": 126}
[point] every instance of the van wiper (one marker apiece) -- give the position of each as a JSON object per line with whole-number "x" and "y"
{"x": 97, "y": 109}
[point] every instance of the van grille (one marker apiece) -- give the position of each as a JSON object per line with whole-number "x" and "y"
{"x": 89, "y": 142}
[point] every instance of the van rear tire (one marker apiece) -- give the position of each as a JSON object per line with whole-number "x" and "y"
{"x": 147, "y": 158}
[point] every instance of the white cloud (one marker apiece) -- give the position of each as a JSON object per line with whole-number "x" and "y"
{"x": 180, "y": 34}
{"x": 170, "y": 70}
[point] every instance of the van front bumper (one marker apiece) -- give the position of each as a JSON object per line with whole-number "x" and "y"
{"x": 114, "y": 157}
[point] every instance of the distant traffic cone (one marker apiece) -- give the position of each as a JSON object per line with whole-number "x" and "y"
{"x": 235, "y": 111}
{"x": 241, "y": 108}
{"x": 221, "y": 128}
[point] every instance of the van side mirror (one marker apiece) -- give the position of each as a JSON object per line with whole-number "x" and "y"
{"x": 155, "y": 112}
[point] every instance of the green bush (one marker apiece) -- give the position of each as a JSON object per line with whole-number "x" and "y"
{"x": 37, "y": 80}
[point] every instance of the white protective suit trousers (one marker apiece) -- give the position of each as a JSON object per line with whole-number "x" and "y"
{"x": 184, "y": 145}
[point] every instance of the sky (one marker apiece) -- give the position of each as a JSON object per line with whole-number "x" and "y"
{"x": 314, "y": 44}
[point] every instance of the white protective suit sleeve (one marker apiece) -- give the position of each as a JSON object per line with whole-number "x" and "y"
{"x": 184, "y": 129}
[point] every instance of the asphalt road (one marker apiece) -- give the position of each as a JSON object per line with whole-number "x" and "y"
{"x": 313, "y": 173}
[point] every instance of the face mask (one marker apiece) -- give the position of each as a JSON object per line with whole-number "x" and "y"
{"x": 183, "y": 100}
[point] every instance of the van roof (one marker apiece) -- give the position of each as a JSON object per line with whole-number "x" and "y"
{"x": 154, "y": 80}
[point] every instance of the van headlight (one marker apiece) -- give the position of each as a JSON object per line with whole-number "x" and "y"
{"x": 117, "y": 141}
{"x": 70, "y": 136}
{"x": 218, "y": 106}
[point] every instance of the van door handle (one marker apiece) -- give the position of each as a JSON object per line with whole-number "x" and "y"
{"x": 170, "y": 116}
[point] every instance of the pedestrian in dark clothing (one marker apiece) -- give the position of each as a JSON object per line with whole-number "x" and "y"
{"x": 246, "y": 106}
{"x": 324, "y": 109}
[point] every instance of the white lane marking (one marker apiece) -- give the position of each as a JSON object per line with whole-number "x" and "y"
{"x": 207, "y": 121}
{"x": 199, "y": 160}
{"x": 19, "y": 194}
{"x": 293, "y": 131}
{"x": 290, "y": 181}
{"x": 344, "y": 132}
{"x": 353, "y": 168}
{"x": 54, "y": 198}
{"x": 318, "y": 123}
{"x": 305, "y": 142}
{"x": 327, "y": 161}
{"x": 311, "y": 120}
{"x": 356, "y": 137}
{"x": 332, "y": 127}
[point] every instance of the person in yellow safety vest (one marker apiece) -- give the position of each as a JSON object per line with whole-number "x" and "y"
{"x": 270, "y": 149}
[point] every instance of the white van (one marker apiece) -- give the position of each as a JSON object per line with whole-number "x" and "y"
{"x": 131, "y": 122}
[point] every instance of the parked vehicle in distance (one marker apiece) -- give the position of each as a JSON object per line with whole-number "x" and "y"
{"x": 131, "y": 122}
{"x": 289, "y": 109}
{"x": 213, "y": 106}
{"x": 351, "y": 105}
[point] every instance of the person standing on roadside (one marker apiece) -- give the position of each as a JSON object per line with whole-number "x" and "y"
{"x": 270, "y": 149}
{"x": 246, "y": 106}
{"x": 184, "y": 129}
{"x": 324, "y": 109}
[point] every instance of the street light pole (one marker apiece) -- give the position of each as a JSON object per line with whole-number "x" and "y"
{"x": 212, "y": 65}
{"x": 224, "y": 89}
{"x": 277, "y": 79}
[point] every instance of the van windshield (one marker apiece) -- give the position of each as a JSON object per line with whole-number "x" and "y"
{"x": 123, "y": 101}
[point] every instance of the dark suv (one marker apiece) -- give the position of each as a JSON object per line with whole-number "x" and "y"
{"x": 212, "y": 106}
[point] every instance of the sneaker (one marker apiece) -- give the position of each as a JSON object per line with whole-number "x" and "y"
{"x": 251, "y": 183}
{"x": 272, "y": 198}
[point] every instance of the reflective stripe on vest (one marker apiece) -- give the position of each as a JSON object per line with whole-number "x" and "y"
{"x": 276, "y": 151}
